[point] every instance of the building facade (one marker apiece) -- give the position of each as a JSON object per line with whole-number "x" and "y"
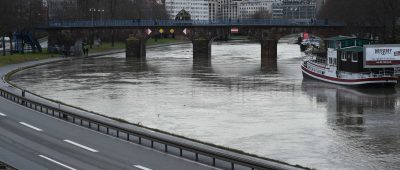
{"x": 198, "y": 9}
{"x": 220, "y": 9}
{"x": 213, "y": 9}
{"x": 320, "y": 4}
{"x": 248, "y": 8}
{"x": 295, "y": 9}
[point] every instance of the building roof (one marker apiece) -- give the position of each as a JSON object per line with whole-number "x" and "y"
{"x": 352, "y": 49}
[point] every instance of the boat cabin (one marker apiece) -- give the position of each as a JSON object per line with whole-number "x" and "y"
{"x": 346, "y": 53}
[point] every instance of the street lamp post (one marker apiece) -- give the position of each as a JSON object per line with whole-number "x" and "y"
{"x": 101, "y": 11}
{"x": 92, "y": 10}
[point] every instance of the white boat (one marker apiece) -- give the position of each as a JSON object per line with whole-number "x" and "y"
{"x": 355, "y": 62}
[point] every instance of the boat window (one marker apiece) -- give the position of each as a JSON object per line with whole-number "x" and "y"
{"x": 330, "y": 60}
{"x": 343, "y": 56}
{"x": 349, "y": 55}
{"x": 354, "y": 57}
{"x": 335, "y": 62}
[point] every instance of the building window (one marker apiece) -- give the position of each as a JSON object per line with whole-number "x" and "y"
{"x": 354, "y": 57}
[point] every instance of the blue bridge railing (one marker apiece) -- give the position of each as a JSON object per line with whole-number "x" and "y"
{"x": 190, "y": 23}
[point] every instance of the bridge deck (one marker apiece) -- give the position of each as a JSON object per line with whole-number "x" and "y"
{"x": 192, "y": 23}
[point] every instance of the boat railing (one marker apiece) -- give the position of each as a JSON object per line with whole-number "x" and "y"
{"x": 364, "y": 75}
{"x": 315, "y": 58}
{"x": 318, "y": 60}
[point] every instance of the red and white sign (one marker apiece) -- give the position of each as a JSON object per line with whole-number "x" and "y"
{"x": 382, "y": 56}
{"x": 148, "y": 31}
{"x": 185, "y": 31}
{"x": 234, "y": 30}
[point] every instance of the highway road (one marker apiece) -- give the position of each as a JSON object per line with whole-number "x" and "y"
{"x": 32, "y": 140}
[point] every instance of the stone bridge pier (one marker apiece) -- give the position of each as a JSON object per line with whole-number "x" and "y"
{"x": 269, "y": 53}
{"x": 202, "y": 39}
{"x": 269, "y": 47}
{"x": 201, "y": 49}
{"x": 136, "y": 45}
{"x": 135, "y": 48}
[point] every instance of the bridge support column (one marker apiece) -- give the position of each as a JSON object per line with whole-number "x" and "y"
{"x": 135, "y": 48}
{"x": 269, "y": 53}
{"x": 201, "y": 49}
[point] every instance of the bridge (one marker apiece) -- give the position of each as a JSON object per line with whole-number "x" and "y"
{"x": 200, "y": 32}
{"x": 59, "y": 24}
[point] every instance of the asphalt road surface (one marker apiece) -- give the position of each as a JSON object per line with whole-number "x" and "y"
{"x": 31, "y": 140}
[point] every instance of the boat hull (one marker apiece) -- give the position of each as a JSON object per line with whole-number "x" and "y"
{"x": 386, "y": 82}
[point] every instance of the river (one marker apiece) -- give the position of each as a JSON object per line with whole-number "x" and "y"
{"x": 234, "y": 102}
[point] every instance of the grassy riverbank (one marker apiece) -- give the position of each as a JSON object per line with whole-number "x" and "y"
{"x": 106, "y": 46}
{"x": 20, "y": 58}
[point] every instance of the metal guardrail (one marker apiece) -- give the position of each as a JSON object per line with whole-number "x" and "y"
{"x": 191, "y": 23}
{"x": 4, "y": 166}
{"x": 225, "y": 161}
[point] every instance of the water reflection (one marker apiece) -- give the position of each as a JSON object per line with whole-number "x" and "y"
{"x": 364, "y": 119}
{"x": 350, "y": 104}
{"x": 137, "y": 64}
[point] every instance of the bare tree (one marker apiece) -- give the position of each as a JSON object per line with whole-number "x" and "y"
{"x": 20, "y": 16}
{"x": 381, "y": 16}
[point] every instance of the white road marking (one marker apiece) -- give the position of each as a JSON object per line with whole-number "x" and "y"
{"x": 56, "y": 162}
{"x": 30, "y": 126}
{"x": 81, "y": 146}
{"x": 141, "y": 167}
{"x": 2, "y": 114}
{"x": 113, "y": 137}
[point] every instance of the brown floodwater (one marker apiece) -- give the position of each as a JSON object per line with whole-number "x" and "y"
{"x": 234, "y": 102}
